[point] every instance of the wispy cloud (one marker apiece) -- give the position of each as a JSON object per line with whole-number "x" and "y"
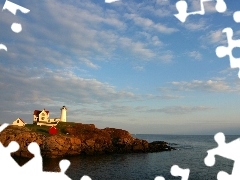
{"x": 88, "y": 34}
{"x": 138, "y": 68}
{"x": 166, "y": 57}
{"x": 200, "y": 85}
{"x": 216, "y": 37}
{"x": 200, "y": 25}
{"x": 55, "y": 86}
{"x": 136, "y": 47}
{"x": 195, "y": 55}
{"x": 109, "y": 110}
{"x": 161, "y": 97}
{"x": 148, "y": 23}
{"x": 180, "y": 109}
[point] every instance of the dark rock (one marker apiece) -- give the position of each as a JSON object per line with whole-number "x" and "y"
{"x": 157, "y": 146}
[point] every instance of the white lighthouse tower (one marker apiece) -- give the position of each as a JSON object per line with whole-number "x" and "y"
{"x": 63, "y": 117}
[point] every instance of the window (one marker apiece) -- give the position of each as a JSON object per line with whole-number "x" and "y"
{"x": 17, "y": 121}
{"x": 43, "y": 114}
{"x": 43, "y": 118}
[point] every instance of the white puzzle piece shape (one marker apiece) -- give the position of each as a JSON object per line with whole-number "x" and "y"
{"x": 2, "y": 46}
{"x": 182, "y": 8}
{"x": 177, "y": 171}
{"x": 12, "y": 7}
{"x": 111, "y": 1}
{"x": 33, "y": 169}
{"x": 227, "y": 150}
{"x": 222, "y": 51}
{"x": 6, "y": 159}
{"x": 34, "y": 165}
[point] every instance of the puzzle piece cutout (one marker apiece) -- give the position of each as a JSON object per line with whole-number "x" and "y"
{"x": 110, "y": 1}
{"x": 12, "y": 7}
{"x": 236, "y": 16}
{"x": 227, "y": 150}
{"x": 16, "y": 27}
{"x": 33, "y": 169}
{"x": 5, "y": 156}
{"x": 177, "y": 171}
{"x": 2, "y": 46}
{"x": 182, "y": 7}
{"x": 34, "y": 165}
{"x": 222, "y": 51}
{"x": 3, "y": 126}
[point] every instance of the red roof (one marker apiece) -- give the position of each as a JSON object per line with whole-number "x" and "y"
{"x": 37, "y": 112}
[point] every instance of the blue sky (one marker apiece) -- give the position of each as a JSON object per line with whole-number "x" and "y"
{"x": 129, "y": 64}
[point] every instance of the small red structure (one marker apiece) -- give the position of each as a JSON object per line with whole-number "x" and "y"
{"x": 53, "y": 130}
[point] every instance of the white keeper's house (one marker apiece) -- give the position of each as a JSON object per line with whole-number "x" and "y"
{"x": 41, "y": 117}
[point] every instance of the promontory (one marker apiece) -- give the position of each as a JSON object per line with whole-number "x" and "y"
{"x": 77, "y": 139}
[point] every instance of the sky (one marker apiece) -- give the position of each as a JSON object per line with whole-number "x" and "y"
{"x": 130, "y": 65}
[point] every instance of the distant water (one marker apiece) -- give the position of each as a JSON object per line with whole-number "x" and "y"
{"x": 191, "y": 154}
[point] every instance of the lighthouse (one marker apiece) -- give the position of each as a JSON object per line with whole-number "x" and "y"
{"x": 63, "y": 117}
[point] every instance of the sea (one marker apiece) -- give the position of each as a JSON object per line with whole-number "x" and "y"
{"x": 190, "y": 154}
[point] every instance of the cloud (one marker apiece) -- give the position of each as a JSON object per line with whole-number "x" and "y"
{"x": 199, "y": 85}
{"x": 180, "y": 109}
{"x": 89, "y": 63}
{"x": 54, "y": 86}
{"x": 164, "y": 8}
{"x": 195, "y": 55}
{"x": 138, "y": 68}
{"x": 147, "y": 24}
{"x": 151, "y": 40}
{"x": 159, "y": 8}
{"x": 166, "y": 57}
{"x": 229, "y": 72}
{"x": 161, "y": 97}
{"x": 216, "y": 37}
{"x": 101, "y": 32}
{"x": 83, "y": 37}
{"x": 156, "y": 41}
{"x": 105, "y": 110}
{"x": 137, "y": 48}
{"x": 163, "y": 12}
{"x": 196, "y": 26}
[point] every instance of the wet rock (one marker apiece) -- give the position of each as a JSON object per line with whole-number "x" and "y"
{"x": 157, "y": 146}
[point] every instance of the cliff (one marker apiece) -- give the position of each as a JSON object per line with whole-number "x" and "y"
{"x": 76, "y": 139}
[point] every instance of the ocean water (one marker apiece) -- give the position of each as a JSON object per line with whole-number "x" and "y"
{"x": 190, "y": 154}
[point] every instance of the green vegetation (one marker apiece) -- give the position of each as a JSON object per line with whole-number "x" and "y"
{"x": 40, "y": 129}
{"x": 45, "y": 129}
{"x": 61, "y": 126}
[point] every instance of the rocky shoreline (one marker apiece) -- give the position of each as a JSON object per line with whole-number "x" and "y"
{"x": 79, "y": 139}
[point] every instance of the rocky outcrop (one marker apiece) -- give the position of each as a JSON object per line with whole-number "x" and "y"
{"x": 79, "y": 139}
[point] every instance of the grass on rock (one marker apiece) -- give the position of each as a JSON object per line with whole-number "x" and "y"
{"x": 45, "y": 129}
